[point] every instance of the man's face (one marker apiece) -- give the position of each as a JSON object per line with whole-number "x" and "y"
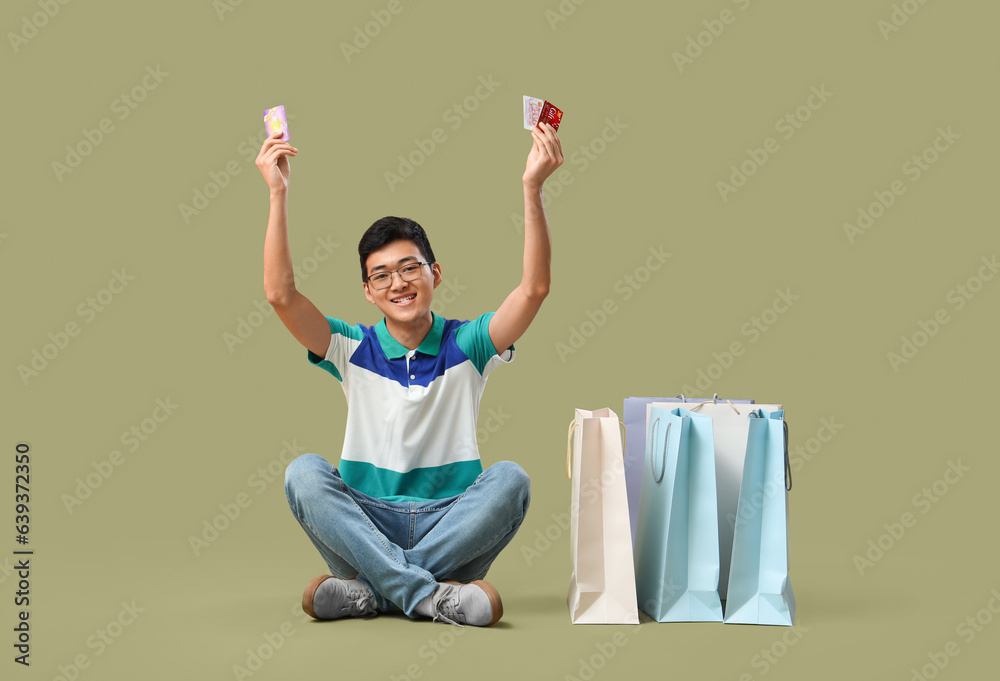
{"x": 404, "y": 302}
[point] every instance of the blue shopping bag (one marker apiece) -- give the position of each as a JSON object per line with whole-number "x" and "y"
{"x": 760, "y": 591}
{"x": 677, "y": 533}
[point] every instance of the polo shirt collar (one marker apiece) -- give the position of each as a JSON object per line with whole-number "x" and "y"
{"x": 393, "y": 349}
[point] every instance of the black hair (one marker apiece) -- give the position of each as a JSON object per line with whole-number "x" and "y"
{"x": 387, "y": 230}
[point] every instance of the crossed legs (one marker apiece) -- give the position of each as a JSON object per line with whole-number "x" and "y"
{"x": 402, "y": 550}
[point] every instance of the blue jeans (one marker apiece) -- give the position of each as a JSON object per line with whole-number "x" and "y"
{"x": 403, "y": 549}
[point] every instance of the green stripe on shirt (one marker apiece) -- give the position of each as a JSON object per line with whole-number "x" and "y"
{"x": 419, "y": 484}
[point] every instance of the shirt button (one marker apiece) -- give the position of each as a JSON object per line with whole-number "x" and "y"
{"x": 412, "y": 377}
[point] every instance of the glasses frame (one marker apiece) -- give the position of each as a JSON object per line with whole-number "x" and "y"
{"x": 368, "y": 279}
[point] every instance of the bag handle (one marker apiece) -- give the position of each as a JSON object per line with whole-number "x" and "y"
{"x": 714, "y": 400}
{"x": 663, "y": 464}
{"x": 569, "y": 446}
{"x": 788, "y": 467}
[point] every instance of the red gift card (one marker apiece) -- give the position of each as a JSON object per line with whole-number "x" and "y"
{"x": 551, "y": 115}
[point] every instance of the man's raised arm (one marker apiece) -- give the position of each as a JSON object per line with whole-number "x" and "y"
{"x": 296, "y": 312}
{"x": 520, "y": 307}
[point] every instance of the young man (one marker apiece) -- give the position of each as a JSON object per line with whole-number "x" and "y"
{"x": 409, "y": 520}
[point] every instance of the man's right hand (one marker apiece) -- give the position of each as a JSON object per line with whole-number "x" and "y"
{"x": 272, "y": 162}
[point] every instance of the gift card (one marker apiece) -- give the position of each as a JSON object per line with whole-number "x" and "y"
{"x": 538, "y": 109}
{"x": 274, "y": 120}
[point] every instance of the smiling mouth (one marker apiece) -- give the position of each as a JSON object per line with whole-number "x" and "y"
{"x": 404, "y": 299}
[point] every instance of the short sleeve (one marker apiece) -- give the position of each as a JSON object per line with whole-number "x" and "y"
{"x": 474, "y": 340}
{"x": 344, "y": 339}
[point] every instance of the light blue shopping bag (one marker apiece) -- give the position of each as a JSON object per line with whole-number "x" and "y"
{"x": 677, "y": 533}
{"x": 760, "y": 591}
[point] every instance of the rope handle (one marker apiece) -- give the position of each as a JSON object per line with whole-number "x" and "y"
{"x": 715, "y": 400}
{"x": 569, "y": 448}
{"x": 788, "y": 465}
{"x": 663, "y": 463}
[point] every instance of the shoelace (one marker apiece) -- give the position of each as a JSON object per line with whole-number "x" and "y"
{"x": 449, "y": 605}
{"x": 361, "y": 602}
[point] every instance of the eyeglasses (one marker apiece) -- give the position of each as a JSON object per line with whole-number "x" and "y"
{"x": 407, "y": 272}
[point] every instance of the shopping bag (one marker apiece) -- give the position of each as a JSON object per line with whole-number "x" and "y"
{"x": 760, "y": 591}
{"x": 635, "y": 440}
{"x": 730, "y": 422}
{"x": 677, "y": 534}
{"x": 602, "y": 584}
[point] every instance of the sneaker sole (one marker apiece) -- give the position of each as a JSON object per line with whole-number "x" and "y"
{"x": 495, "y": 603}
{"x": 310, "y": 594}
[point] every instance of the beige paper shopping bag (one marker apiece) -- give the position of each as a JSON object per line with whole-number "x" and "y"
{"x": 602, "y": 585}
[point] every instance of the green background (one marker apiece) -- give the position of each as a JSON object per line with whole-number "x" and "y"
{"x": 652, "y": 186}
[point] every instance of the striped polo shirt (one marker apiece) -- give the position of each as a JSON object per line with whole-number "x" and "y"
{"x": 411, "y": 414}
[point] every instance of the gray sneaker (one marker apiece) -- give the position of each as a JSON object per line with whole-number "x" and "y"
{"x": 476, "y": 603}
{"x": 327, "y": 598}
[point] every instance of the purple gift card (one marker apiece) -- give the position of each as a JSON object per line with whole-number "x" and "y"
{"x": 274, "y": 121}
